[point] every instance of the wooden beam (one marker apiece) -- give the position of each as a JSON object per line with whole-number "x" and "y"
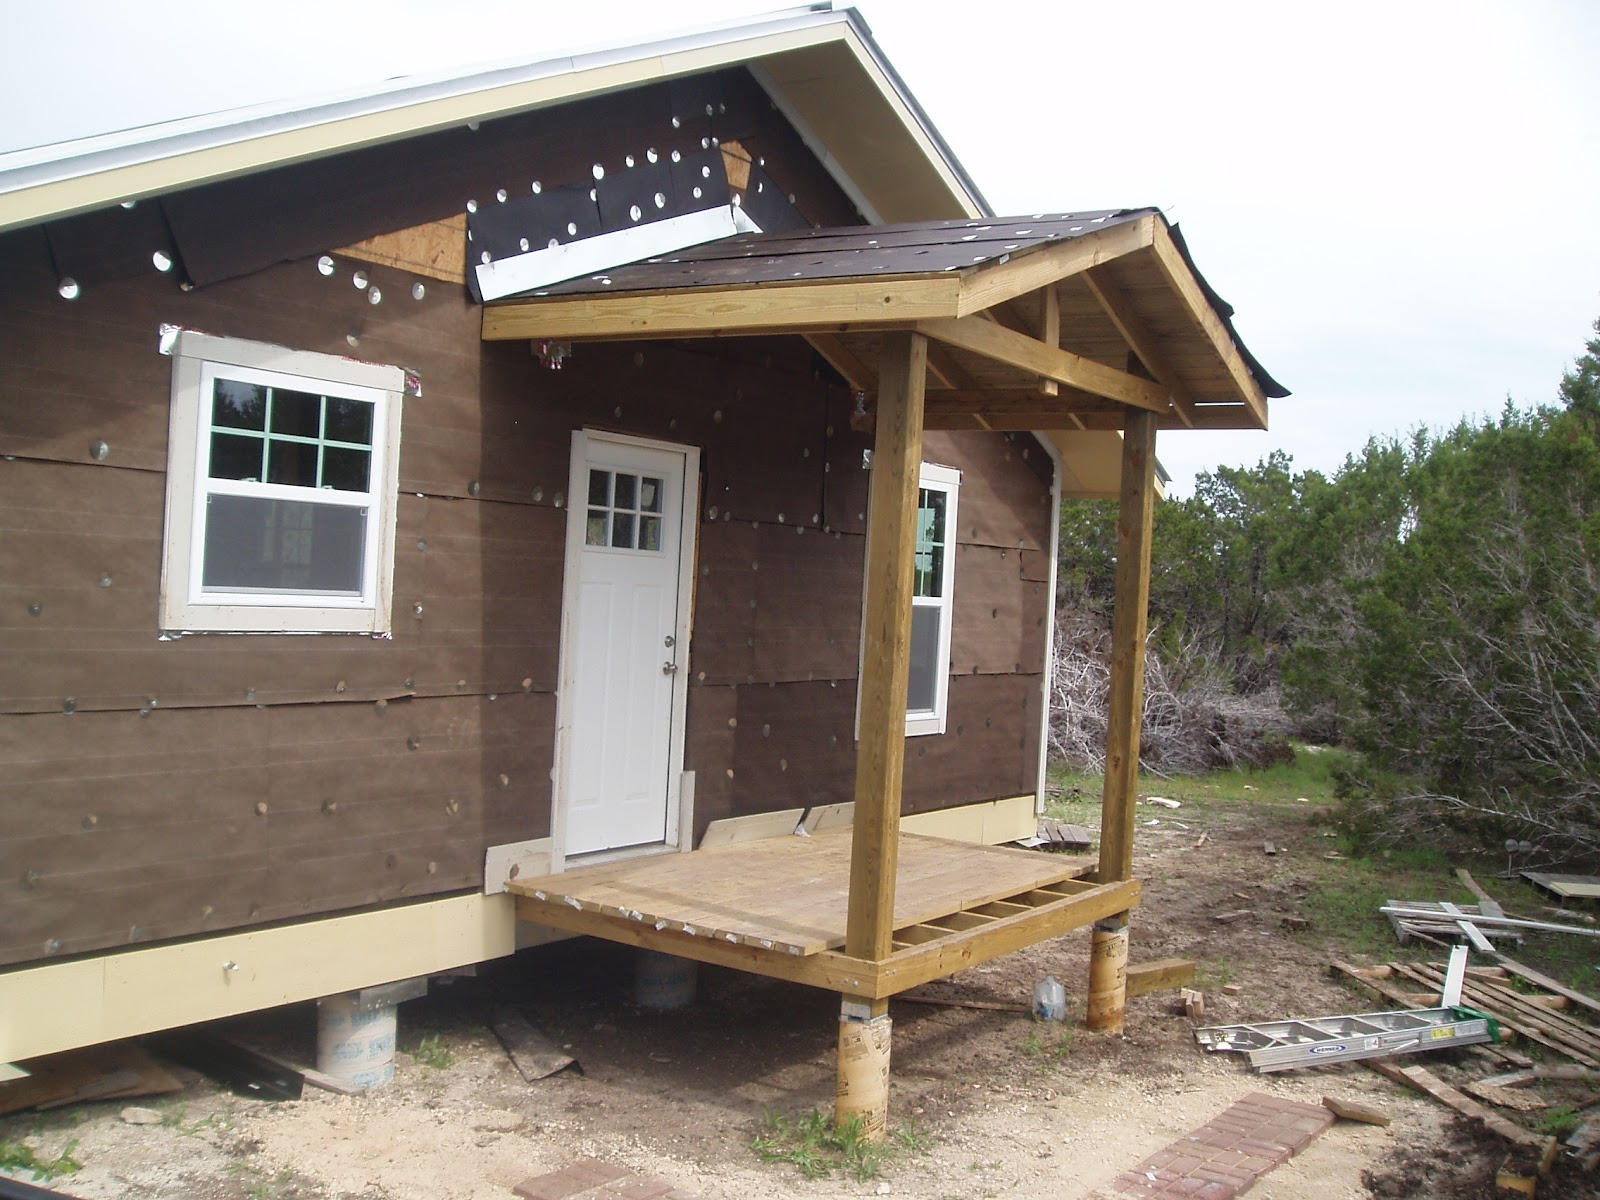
{"x": 1182, "y": 281}
{"x": 1130, "y": 622}
{"x": 1117, "y": 306}
{"x": 1050, "y": 333}
{"x": 829, "y": 970}
{"x": 1160, "y": 975}
{"x": 994, "y": 341}
{"x": 858, "y": 374}
{"x": 992, "y": 284}
{"x": 730, "y": 311}
{"x": 1000, "y": 401}
{"x": 886, "y": 653}
{"x": 942, "y": 957}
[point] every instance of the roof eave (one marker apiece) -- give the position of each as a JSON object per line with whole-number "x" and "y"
{"x": 56, "y": 181}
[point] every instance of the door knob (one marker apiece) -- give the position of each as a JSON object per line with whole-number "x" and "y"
{"x": 669, "y": 668}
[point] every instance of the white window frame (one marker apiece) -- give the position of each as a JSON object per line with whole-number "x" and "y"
{"x": 923, "y": 722}
{"x": 936, "y": 478}
{"x": 197, "y": 360}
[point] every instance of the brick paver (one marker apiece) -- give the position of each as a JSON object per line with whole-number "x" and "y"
{"x": 1225, "y": 1156}
{"x": 592, "y": 1179}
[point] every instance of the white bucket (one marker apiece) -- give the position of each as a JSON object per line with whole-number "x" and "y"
{"x": 664, "y": 981}
{"x": 356, "y": 1044}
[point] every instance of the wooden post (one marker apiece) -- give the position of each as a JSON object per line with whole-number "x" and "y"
{"x": 1130, "y": 622}
{"x": 880, "y": 753}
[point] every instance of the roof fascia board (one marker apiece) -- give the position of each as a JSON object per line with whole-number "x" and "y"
{"x": 38, "y": 184}
{"x": 1184, "y": 284}
{"x": 834, "y": 306}
{"x": 991, "y": 284}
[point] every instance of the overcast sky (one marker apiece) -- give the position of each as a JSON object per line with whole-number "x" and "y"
{"x": 1401, "y": 199}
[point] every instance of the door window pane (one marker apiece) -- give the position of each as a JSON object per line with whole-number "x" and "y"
{"x": 622, "y": 528}
{"x": 600, "y": 488}
{"x": 649, "y": 533}
{"x": 627, "y": 491}
{"x": 595, "y": 532}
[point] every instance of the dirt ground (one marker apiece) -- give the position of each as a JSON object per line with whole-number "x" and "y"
{"x": 1002, "y": 1106}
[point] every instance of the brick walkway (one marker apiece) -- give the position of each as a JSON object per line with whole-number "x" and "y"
{"x": 592, "y": 1179}
{"x": 1226, "y": 1155}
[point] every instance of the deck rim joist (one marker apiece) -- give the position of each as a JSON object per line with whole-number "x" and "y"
{"x": 931, "y": 945}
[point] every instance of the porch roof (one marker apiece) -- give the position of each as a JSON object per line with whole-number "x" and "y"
{"x": 1045, "y": 322}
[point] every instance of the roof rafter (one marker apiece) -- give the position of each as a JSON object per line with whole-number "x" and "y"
{"x": 1051, "y": 362}
{"x": 1182, "y": 281}
{"x": 1139, "y": 339}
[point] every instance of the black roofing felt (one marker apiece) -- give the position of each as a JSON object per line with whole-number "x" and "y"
{"x": 861, "y": 251}
{"x": 877, "y": 251}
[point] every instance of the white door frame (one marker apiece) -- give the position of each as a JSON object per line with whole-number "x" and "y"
{"x": 678, "y": 798}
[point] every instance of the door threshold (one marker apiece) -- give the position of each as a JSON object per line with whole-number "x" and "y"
{"x": 595, "y": 858}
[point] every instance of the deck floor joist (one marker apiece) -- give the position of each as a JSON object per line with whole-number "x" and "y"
{"x": 778, "y": 907}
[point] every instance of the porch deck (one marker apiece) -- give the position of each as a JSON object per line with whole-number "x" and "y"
{"x": 778, "y": 907}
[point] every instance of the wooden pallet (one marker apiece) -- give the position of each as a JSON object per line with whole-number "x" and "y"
{"x": 1447, "y": 927}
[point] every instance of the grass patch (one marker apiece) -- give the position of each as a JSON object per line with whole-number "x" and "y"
{"x": 1558, "y": 1121}
{"x": 818, "y": 1146}
{"x": 1045, "y": 1053}
{"x": 17, "y": 1157}
{"x": 431, "y": 1052}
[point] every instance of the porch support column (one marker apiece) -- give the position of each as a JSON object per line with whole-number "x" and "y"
{"x": 1129, "y": 624}
{"x": 880, "y": 753}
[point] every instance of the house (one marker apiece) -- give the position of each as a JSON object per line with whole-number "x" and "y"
{"x": 507, "y": 478}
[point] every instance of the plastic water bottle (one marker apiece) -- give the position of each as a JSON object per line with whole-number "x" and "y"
{"x": 1049, "y": 999}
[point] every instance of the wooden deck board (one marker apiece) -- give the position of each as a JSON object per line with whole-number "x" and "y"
{"x": 790, "y": 894}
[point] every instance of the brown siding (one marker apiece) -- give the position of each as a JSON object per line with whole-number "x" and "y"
{"x": 155, "y": 789}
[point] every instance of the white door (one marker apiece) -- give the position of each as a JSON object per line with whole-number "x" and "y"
{"x": 625, "y": 628}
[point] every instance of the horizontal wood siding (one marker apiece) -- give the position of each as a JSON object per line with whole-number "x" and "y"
{"x": 156, "y": 789}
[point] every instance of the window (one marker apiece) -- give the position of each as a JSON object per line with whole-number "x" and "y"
{"x": 933, "y": 573}
{"x": 932, "y": 582}
{"x": 281, "y": 479}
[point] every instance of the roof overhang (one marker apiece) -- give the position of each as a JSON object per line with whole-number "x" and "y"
{"x": 1054, "y": 324}
{"x": 821, "y": 67}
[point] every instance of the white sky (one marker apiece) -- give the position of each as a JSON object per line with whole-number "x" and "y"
{"x": 1401, "y": 198}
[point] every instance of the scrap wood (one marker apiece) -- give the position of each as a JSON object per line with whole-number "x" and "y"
{"x": 1424, "y": 1080}
{"x": 1529, "y": 975}
{"x": 1412, "y": 911}
{"x": 1348, "y": 1110}
{"x": 1229, "y": 918}
{"x": 957, "y": 1002}
{"x": 116, "y": 1071}
{"x": 1549, "y": 1027}
{"x": 1158, "y": 975}
{"x": 232, "y": 1064}
{"x": 535, "y": 1056}
{"x": 1505, "y": 1097}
